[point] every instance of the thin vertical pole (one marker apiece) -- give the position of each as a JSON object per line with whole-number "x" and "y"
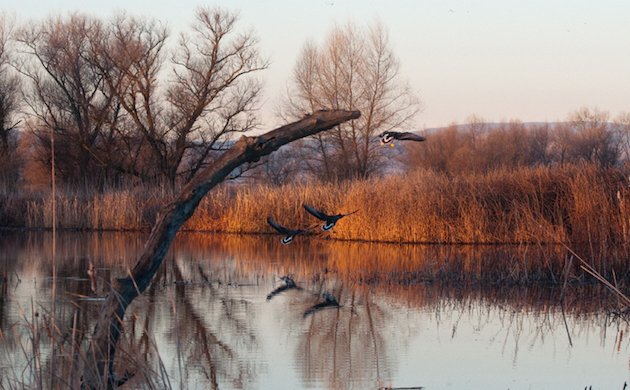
{"x": 54, "y": 261}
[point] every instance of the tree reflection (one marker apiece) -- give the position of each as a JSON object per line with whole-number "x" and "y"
{"x": 202, "y": 321}
{"x": 345, "y": 345}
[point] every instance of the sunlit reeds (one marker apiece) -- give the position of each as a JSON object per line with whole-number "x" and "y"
{"x": 577, "y": 204}
{"x": 583, "y": 206}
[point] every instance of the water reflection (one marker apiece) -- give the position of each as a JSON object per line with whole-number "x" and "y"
{"x": 377, "y": 263}
{"x": 206, "y": 321}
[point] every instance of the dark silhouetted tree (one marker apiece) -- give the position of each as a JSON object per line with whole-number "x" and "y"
{"x": 178, "y": 121}
{"x": 10, "y": 161}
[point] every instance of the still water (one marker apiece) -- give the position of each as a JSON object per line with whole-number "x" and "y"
{"x": 206, "y": 321}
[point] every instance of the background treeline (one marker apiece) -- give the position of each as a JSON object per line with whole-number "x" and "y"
{"x": 124, "y": 103}
{"x": 588, "y": 135}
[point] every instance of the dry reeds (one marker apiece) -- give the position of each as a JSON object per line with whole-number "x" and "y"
{"x": 579, "y": 204}
{"x": 110, "y": 210}
{"x": 584, "y": 206}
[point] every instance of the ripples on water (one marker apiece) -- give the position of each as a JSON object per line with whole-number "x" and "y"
{"x": 205, "y": 322}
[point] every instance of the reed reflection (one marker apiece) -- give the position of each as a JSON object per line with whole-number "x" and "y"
{"x": 6, "y": 278}
{"x": 205, "y": 318}
{"x": 377, "y": 263}
{"x": 413, "y": 278}
{"x": 348, "y": 345}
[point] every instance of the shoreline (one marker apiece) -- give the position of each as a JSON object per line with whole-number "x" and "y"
{"x": 310, "y": 236}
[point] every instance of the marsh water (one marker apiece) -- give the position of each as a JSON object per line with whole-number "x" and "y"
{"x": 206, "y": 320}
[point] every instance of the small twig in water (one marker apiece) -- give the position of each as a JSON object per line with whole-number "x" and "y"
{"x": 589, "y": 269}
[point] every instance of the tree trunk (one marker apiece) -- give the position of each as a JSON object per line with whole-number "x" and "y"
{"x": 102, "y": 348}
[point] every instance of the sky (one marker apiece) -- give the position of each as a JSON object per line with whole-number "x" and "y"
{"x": 533, "y": 60}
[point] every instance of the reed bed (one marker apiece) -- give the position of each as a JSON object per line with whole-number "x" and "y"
{"x": 45, "y": 350}
{"x": 121, "y": 210}
{"x": 583, "y": 206}
{"x": 578, "y": 204}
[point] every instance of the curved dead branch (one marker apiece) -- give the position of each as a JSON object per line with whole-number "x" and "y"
{"x": 102, "y": 348}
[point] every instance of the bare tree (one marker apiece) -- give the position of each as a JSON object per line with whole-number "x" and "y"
{"x": 130, "y": 58}
{"x": 441, "y": 153}
{"x": 117, "y": 106}
{"x": 283, "y": 167}
{"x": 622, "y": 125}
{"x": 588, "y": 136}
{"x": 540, "y": 144}
{"x": 9, "y": 86}
{"x": 478, "y": 147}
{"x": 9, "y": 105}
{"x": 453, "y": 149}
{"x": 212, "y": 96}
{"x": 66, "y": 95}
{"x": 209, "y": 94}
{"x": 512, "y": 145}
{"x": 357, "y": 69}
{"x": 107, "y": 332}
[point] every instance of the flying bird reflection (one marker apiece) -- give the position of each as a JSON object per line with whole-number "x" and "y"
{"x": 329, "y": 302}
{"x": 289, "y": 284}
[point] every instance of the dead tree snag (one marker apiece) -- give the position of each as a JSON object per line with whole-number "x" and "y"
{"x": 102, "y": 348}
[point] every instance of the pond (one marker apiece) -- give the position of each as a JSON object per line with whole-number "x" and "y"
{"x": 209, "y": 321}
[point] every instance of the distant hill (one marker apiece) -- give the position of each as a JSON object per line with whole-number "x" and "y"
{"x": 498, "y": 125}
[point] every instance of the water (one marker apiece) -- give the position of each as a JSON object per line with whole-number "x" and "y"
{"x": 206, "y": 322}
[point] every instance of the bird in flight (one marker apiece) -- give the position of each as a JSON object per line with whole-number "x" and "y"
{"x": 388, "y": 136}
{"x": 288, "y": 233}
{"x": 329, "y": 220}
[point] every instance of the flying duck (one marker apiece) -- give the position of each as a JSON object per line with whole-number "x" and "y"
{"x": 329, "y": 220}
{"x": 389, "y": 136}
{"x": 288, "y": 233}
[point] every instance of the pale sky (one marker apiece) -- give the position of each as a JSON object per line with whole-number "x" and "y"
{"x": 500, "y": 60}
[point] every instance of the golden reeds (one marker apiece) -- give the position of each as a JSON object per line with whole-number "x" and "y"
{"x": 583, "y": 206}
{"x": 579, "y": 204}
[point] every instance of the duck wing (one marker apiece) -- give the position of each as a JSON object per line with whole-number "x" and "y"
{"x": 279, "y": 228}
{"x": 407, "y": 136}
{"x": 350, "y": 213}
{"x": 316, "y": 213}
